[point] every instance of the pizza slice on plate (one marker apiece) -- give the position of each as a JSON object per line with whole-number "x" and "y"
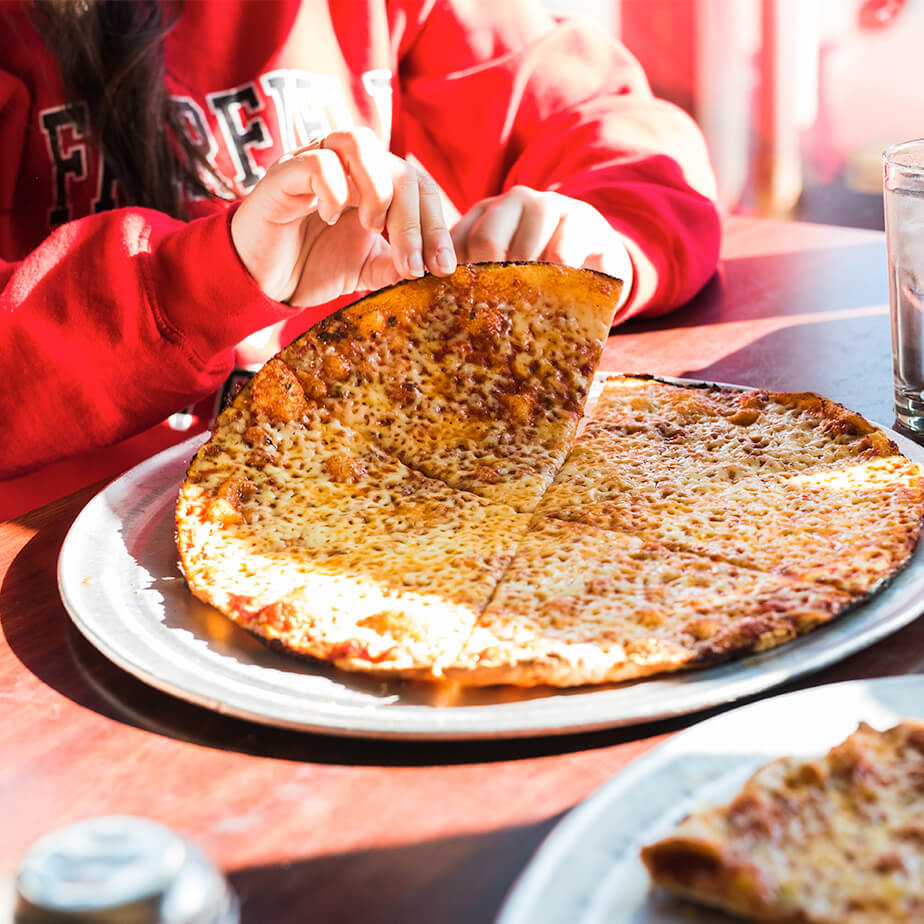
{"x": 835, "y": 840}
{"x": 580, "y": 604}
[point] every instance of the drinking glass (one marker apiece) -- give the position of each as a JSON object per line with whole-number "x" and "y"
{"x": 903, "y": 194}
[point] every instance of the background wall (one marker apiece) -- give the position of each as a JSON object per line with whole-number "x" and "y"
{"x": 797, "y": 98}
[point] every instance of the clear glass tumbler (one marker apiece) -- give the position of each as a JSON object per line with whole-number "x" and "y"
{"x": 903, "y": 193}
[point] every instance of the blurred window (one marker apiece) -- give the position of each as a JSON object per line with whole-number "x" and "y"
{"x": 797, "y": 98}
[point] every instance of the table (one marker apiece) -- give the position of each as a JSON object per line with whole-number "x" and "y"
{"x": 317, "y": 828}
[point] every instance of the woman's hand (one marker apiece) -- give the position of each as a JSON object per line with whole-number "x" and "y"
{"x": 312, "y": 228}
{"x": 525, "y": 224}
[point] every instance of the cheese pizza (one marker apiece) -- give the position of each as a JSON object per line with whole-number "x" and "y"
{"x": 413, "y": 488}
{"x": 834, "y": 839}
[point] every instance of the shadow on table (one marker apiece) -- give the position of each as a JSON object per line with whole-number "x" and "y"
{"x": 455, "y": 880}
{"x": 758, "y": 288}
{"x": 830, "y": 352}
{"x": 850, "y": 362}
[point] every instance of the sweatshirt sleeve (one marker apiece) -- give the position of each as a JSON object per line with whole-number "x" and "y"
{"x": 115, "y": 321}
{"x": 498, "y": 94}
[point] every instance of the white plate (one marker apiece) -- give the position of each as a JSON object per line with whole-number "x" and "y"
{"x": 588, "y": 870}
{"x": 119, "y": 581}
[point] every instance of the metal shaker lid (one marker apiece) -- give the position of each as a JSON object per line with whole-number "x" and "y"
{"x": 120, "y": 869}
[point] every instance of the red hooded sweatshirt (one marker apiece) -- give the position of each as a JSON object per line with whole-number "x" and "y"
{"x": 112, "y": 318}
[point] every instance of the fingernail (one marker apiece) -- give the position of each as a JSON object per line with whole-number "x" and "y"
{"x": 445, "y": 260}
{"x": 378, "y": 223}
{"x": 415, "y": 264}
{"x": 334, "y": 218}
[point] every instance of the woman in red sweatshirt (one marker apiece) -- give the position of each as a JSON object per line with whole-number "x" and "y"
{"x": 184, "y": 187}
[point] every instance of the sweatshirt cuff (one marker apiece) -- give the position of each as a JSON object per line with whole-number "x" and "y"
{"x": 203, "y": 295}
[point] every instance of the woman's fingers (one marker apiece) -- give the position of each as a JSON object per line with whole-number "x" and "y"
{"x": 568, "y": 244}
{"x": 352, "y": 169}
{"x": 542, "y": 214}
{"x": 439, "y": 251}
{"x": 486, "y": 231}
{"x": 344, "y": 169}
{"x": 403, "y": 221}
{"x": 387, "y": 192}
{"x": 379, "y": 268}
{"x": 516, "y": 225}
{"x": 526, "y": 224}
{"x": 308, "y": 180}
{"x": 366, "y": 164}
{"x": 312, "y": 228}
{"x": 417, "y": 231}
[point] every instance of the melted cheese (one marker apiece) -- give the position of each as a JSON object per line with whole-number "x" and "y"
{"x": 759, "y": 431}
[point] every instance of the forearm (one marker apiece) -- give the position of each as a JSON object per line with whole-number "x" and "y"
{"x": 570, "y": 111}
{"x": 113, "y": 322}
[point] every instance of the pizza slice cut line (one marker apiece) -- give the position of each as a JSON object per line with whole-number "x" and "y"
{"x": 863, "y": 507}
{"x": 578, "y": 604}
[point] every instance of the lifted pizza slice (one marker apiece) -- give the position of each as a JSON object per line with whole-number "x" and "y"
{"x": 478, "y": 379}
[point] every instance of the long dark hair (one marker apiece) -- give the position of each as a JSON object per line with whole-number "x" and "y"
{"x": 111, "y": 57}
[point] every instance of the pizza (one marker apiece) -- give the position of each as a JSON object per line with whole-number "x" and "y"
{"x": 837, "y": 839}
{"x": 435, "y": 483}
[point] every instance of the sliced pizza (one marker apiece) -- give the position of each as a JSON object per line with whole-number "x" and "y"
{"x": 833, "y": 840}
{"x": 581, "y": 605}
